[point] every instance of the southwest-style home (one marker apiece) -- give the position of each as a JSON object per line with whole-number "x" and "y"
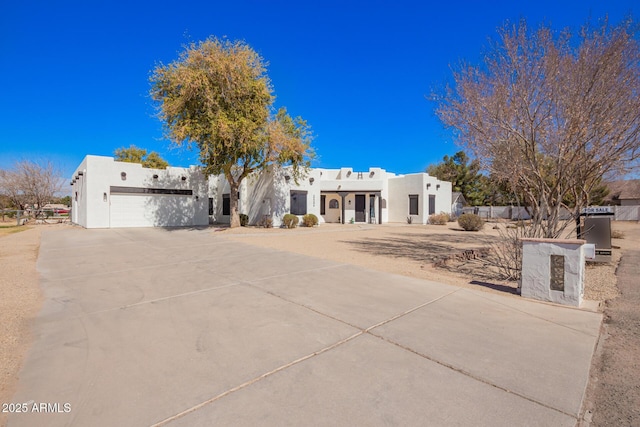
{"x": 110, "y": 194}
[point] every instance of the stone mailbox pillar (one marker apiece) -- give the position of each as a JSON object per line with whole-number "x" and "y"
{"x": 553, "y": 270}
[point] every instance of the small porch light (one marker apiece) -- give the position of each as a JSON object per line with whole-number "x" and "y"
{"x": 311, "y": 180}
{"x": 184, "y": 178}
{"x": 104, "y": 197}
{"x": 371, "y": 174}
{"x": 437, "y": 186}
{"x": 155, "y": 176}
{"x": 428, "y": 185}
{"x": 123, "y": 175}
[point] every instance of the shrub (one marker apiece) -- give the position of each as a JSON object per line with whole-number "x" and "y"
{"x": 309, "y": 220}
{"x": 617, "y": 234}
{"x": 439, "y": 219}
{"x": 244, "y": 220}
{"x": 290, "y": 221}
{"x": 266, "y": 222}
{"x": 470, "y": 222}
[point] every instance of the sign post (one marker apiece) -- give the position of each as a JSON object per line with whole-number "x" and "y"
{"x": 597, "y": 230}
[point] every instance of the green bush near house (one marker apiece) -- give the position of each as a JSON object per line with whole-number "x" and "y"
{"x": 309, "y": 220}
{"x": 439, "y": 219}
{"x": 244, "y": 220}
{"x": 290, "y": 221}
{"x": 470, "y": 222}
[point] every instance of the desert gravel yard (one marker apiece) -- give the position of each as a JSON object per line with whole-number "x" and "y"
{"x": 412, "y": 251}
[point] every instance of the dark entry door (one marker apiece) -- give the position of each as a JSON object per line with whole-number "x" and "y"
{"x": 360, "y": 208}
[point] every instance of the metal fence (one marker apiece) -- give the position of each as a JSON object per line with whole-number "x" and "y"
{"x": 621, "y": 213}
{"x": 48, "y": 216}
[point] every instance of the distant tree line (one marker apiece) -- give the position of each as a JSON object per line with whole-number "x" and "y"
{"x": 134, "y": 154}
{"x": 480, "y": 189}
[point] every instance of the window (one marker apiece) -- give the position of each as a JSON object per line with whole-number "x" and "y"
{"x": 226, "y": 204}
{"x": 210, "y": 206}
{"x": 432, "y": 204}
{"x": 323, "y": 201}
{"x": 298, "y": 202}
{"x": 333, "y": 204}
{"x": 413, "y": 204}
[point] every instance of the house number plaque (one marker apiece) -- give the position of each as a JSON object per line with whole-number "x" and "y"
{"x": 557, "y": 273}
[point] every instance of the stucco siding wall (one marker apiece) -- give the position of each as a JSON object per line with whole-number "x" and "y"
{"x": 397, "y": 204}
{"x": 79, "y": 196}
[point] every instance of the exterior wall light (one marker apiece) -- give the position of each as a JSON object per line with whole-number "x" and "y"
{"x": 197, "y": 198}
{"x": 437, "y": 186}
{"x": 80, "y": 173}
{"x": 184, "y": 178}
{"x": 287, "y": 178}
{"x": 77, "y": 177}
{"x": 104, "y": 197}
{"x": 428, "y": 185}
{"x": 311, "y": 180}
{"x": 123, "y": 175}
{"x": 155, "y": 176}
{"x": 371, "y": 174}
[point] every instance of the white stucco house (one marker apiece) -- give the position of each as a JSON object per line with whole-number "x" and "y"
{"x": 111, "y": 194}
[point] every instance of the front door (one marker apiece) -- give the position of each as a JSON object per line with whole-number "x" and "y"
{"x": 360, "y": 208}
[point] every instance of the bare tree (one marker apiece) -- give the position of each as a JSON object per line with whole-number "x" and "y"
{"x": 11, "y": 189}
{"x": 31, "y": 183}
{"x": 551, "y": 114}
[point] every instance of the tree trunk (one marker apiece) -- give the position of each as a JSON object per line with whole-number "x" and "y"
{"x": 233, "y": 203}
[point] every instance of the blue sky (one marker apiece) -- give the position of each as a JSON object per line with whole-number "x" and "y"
{"x": 75, "y": 73}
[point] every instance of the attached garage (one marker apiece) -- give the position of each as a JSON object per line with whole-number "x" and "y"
{"x": 150, "y": 207}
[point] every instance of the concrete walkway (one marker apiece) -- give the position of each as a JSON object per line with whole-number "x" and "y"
{"x": 184, "y": 328}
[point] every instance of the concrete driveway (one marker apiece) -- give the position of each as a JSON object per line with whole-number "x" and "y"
{"x": 185, "y": 328}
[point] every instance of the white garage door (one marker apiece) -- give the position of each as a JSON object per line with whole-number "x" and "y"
{"x": 151, "y": 210}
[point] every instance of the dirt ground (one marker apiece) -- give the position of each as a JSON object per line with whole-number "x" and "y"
{"x": 613, "y": 395}
{"x": 400, "y": 249}
{"x": 19, "y": 303}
